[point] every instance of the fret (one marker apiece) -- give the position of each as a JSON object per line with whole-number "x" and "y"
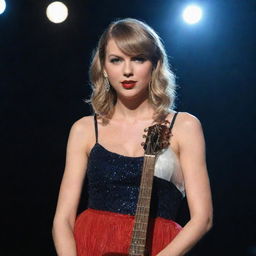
{"x": 143, "y": 201}
{"x": 142, "y": 214}
{"x": 141, "y": 221}
{"x": 141, "y": 231}
{"x": 139, "y": 228}
{"x": 142, "y": 210}
{"x": 136, "y": 253}
{"x": 145, "y": 189}
{"x": 138, "y": 245}
{"x": 142, "y": 207}
{"x": 140, "y": 225}
{"x": 145, "y": 198}
{"x": 138, "y": 239}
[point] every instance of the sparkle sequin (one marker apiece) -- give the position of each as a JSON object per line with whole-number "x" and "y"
{"x": 113, "y": 185}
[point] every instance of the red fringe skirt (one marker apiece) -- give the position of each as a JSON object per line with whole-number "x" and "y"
{"x": 99, "y": 233}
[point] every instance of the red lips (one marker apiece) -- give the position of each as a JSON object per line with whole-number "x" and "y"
{"x": 128, "y": 84}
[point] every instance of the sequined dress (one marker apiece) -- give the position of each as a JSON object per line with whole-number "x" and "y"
{"x": 113, "y": 187}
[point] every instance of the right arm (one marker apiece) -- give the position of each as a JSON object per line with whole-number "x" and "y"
{"x": 70, "y": 190}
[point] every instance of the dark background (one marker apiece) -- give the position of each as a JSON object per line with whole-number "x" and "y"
{"x": 44, "y": 80}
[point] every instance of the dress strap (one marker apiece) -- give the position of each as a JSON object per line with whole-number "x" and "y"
{"x": 173, "y": 120}
{"x": 96, "y": 127}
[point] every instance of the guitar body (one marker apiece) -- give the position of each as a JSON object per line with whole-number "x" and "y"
{"x": 101, "y": 233}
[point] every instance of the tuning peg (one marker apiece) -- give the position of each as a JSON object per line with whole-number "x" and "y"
{"x": 144, "y": 136}
{"x": 146, "y": 129}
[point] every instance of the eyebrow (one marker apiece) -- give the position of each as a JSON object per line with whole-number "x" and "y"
{"x": 138, "y": 55}
{"x": 114, "y": 55}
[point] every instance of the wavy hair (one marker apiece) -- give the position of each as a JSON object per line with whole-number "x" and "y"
{"x": 133, "y": 37}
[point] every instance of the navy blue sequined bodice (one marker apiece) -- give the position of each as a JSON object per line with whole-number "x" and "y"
{"x": 113, "y": 185}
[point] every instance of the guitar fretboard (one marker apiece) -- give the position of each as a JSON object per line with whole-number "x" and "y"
{"x": 139, "y": 235}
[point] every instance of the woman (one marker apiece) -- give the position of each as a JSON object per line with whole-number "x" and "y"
{"x": 133, "y": 88}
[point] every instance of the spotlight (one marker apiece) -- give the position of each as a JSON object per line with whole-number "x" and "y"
{"x": 57, "y": 12}
{"x": 2, "y": 6}
{"x": 192, "y": 14}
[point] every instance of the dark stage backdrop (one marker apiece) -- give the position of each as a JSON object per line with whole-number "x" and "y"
{"x": 44, "y": 81}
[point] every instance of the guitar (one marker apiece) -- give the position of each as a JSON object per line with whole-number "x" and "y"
{"x": 157, "y": 139}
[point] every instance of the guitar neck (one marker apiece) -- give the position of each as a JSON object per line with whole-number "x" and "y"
{"x": 139, "y": 234}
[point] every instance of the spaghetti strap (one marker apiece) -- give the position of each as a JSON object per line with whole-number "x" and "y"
{"x": 96, "y": 127}
{"x": 173, "y": 120}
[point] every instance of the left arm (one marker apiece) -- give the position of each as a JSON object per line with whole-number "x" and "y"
{"x": 191, "y": 143}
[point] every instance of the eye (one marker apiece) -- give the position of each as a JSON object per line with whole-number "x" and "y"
{"x": 115, "y": 60}
{"x": 139, "y": 59}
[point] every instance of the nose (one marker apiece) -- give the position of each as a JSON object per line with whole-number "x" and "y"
{"x": 128, "y": 70}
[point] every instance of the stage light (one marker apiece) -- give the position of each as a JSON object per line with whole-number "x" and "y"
{"x": 192, "y": 14}
{"x": 57, "y": 12}
{"x": 2, "y": 6}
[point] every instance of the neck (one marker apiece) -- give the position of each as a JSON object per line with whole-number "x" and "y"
{"x": 133, "y": 109}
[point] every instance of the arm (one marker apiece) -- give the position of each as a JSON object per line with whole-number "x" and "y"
{"x": 70, "y": 190}
{"x": 192, "y": 158}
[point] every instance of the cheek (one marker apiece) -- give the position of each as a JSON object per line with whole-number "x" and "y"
{"x": 113, "y": 73}
{"x": 113, "y": 76}
{"x": 145, "y": 73}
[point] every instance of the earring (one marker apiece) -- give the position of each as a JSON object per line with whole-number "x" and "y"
{"x": 106, "y": 84}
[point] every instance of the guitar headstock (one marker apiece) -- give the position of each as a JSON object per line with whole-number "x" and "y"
{"x": 157, "y": 138}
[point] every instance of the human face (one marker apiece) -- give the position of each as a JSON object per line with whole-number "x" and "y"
{"x": 128, "y": 75}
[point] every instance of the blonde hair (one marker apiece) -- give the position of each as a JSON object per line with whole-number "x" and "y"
{"x": 133, "y": 37}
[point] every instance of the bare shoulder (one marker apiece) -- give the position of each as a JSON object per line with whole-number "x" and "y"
{"x": 183, "y": 121}
{"x": 83, "y": 130}
{"x": 83, "y": 123}
{"x": 186, "y": 121}
{"x": 186, "y": 129}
